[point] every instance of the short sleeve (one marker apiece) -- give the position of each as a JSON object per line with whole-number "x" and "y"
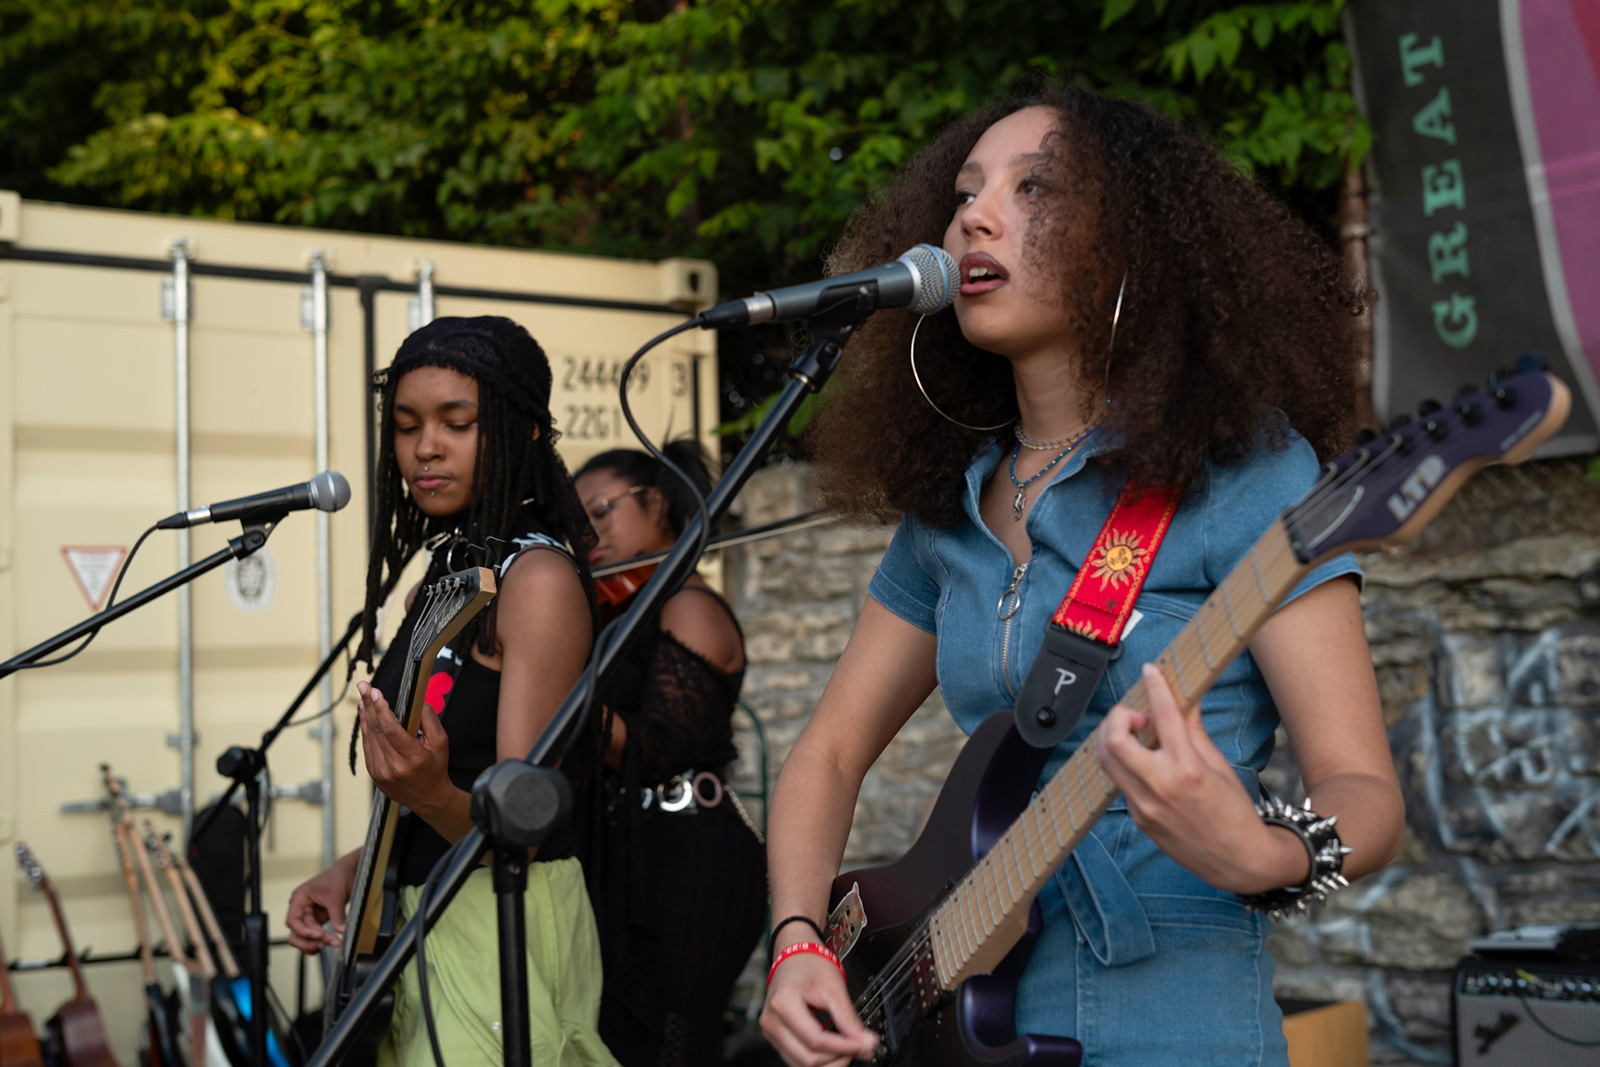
{"x": 1242, "y": 501}
{"x": 902, "y": 583}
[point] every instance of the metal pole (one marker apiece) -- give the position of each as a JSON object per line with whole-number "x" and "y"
{"x": 425, "y": 312}
{"x": 180, "y": 350}
{"x": 319, "y": 351}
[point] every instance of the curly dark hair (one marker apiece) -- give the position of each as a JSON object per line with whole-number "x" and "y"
{"x": 1236, "y": 323}
{"x": 517, "y": 461}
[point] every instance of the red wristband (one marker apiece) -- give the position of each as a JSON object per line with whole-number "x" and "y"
{"x": 805, "y": 946}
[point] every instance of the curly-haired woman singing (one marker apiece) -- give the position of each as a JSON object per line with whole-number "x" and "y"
{"x": 469, "y": 454}
{"x": 1132, "y": 312}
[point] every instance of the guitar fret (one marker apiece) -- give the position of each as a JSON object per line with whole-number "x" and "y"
{"x": 1055, "y": 825}
{"x": 1066, "y": 798}
{"x": 1266, "y": 597}
{"x": 1106, "y": 785}
{"x": 991, "y": 893}
{"x": 1227, "y": 603}
{"x": 1088, "y": 801}
{"x": 1010, "y": 888}
{"x": 1205, "y": 647}
{"x": 1028, "y": 845}
{"x": 1038, "y": 829}
{"x": 1177, "y": 669}
{"x": 967, "y": 933}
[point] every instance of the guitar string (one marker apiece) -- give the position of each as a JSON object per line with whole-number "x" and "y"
{"x": 895, "y": 982}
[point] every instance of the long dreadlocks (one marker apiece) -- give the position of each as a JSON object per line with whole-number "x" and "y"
{"x": 517, "y": 460}
{"x": 517, "y": 465}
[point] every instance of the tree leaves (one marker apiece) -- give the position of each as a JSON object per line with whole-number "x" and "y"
{"x": 741, "y": 130}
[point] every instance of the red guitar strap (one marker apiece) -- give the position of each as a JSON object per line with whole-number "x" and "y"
{"x": 1085, "y": 634}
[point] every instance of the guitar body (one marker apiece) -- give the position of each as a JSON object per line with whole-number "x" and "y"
{"x": 77, "y": 1036}
{"x": 991, "y": 782}
{"x": 19, "y": 1045}
{"x": 230, "y": 1012}
{"x": 363, "y": 1049}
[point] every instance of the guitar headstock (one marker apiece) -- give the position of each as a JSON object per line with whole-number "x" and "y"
{"x": 30, "y": 866}
{"x": 1389, "y": 486}
{"x": 156, "y": 846}
{"x": 447, "y": 606}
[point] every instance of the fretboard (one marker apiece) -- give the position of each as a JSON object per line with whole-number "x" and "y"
{"x": 994, "y": 896}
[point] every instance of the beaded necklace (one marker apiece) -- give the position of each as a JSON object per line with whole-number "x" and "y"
{"x": 1021, "y": 498}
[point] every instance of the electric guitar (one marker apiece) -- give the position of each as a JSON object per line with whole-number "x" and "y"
{"x": 934, "y": 943}
{"x": 228, "y": 1030}
{"x": 448, "y": 605}
{"x": 19, "y": 1045}
{"x": 76, "y": 1033}
{"x": 162, "y": 1026}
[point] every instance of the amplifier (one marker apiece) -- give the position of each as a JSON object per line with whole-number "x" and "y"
{"x": 1529, "y": 1011}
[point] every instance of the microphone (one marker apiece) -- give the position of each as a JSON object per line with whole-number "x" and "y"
{"x": 923, "y": 280}
{"x": 328, "y": 491}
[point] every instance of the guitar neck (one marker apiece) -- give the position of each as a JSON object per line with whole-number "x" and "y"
{"x": 994, "y": 897}
{"x": 147, "y": 962}
{"x": 191, "y": 922}
{"x": 80, "y": 991}
{"x": 202, "y": 903}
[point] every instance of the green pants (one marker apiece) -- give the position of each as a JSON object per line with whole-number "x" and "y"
{"x": 464, "y": 977}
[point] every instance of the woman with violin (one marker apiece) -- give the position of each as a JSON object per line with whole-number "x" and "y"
{"x": 676, "y": 872}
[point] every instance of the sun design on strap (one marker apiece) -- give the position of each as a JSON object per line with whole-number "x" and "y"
{"x": 1083, "y": 629}
{"x": 1120, "y": 559}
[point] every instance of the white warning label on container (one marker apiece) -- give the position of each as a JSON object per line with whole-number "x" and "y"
{"x": 94, "y": 567}
{"x": 252, "y": 581}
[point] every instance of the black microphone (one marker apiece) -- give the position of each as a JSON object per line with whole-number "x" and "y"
{"x": 328, "y": 491}
{"x": 923, "y": 280}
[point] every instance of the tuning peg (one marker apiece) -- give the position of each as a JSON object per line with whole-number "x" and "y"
{"x": 1533, "y": 361}
{"x": 1364, "y": 435}
{"x": 1504, "y": 395}
{"x": 1470, "y": 413}
{"x": 1399, "y": 420}
{"x": 1500, "y": 374}
{"x": 1400, "y": 443}
{"x": 1464, "y": 392}
{"x": 1428, "y": 407}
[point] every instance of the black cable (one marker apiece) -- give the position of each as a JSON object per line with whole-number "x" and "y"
{"x": 112, "y": 599}
{"x": 337, "y": 700}
{"x": 423, "y": 897}
{"x": 1526, "y": 1006}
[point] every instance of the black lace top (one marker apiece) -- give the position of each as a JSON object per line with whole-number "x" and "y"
{"x": 677, "y": 706}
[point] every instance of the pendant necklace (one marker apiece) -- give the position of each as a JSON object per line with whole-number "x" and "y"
{"x": 1021, "y": 499}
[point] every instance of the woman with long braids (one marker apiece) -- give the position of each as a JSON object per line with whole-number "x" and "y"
{"x": 676, "y": 871}
{"x": 468, "y": 456}
{"x": 1132, "y": 312}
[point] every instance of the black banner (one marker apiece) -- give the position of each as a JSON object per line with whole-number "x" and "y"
{"x": 1485, "y": 195}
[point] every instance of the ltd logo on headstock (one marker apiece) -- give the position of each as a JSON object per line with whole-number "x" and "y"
{"x": 1415, "y": 489}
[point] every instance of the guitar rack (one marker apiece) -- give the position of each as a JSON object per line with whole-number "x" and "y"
{"x": 88, "y": 955}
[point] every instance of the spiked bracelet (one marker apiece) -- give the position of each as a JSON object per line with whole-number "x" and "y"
{"x": 1322, "y": 843}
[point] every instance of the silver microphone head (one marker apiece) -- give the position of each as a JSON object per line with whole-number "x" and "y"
{"x": 938, "y": 278}
{"x": 329, "y": 491}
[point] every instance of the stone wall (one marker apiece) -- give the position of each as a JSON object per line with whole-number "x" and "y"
{"x": 1486, "y": 639}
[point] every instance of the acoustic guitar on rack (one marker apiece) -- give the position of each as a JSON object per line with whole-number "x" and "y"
{"x": 75, "y": 1034}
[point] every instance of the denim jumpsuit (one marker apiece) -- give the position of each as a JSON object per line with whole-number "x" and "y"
{"x": 1140, "y": 960}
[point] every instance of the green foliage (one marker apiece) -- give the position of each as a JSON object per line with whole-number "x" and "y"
{"x": 740, "y": 130}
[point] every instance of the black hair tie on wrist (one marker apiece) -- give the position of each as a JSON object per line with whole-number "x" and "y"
{"x": 773, "y": 940}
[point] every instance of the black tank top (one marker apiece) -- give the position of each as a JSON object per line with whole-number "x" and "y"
{"x": 471, "y": 693}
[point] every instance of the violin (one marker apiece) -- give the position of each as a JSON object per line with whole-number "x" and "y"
{"x": 615, "y": 583}
{"x": 615, "y": 589}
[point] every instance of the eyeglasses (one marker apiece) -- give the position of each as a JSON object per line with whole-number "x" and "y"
{"x": 600, "y": 507}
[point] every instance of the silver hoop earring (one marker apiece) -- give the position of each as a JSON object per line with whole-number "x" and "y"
{"x": 1116, "y": 316}
{"x": 918, "y": 379}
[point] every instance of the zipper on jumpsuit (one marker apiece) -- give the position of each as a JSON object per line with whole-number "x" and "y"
{"x": 1007, "y": 614}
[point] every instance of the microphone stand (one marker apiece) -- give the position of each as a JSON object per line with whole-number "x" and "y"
{"x": 841, "y": 311}
{"x": 254, "y": 536}
{"x": 244, "y": 767}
